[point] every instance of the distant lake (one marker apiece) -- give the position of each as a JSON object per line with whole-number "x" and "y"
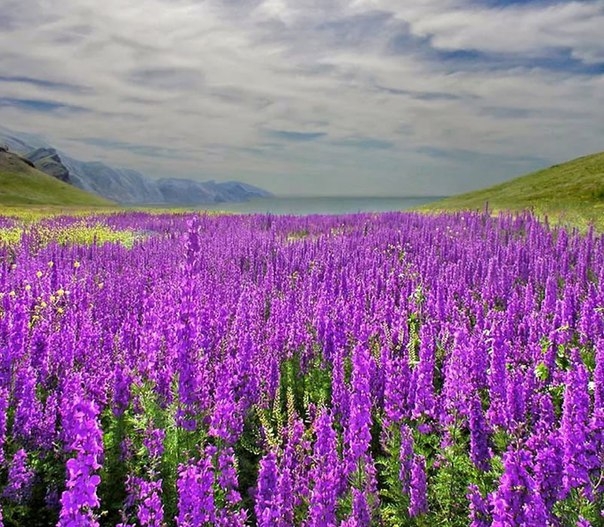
{"x": 322, "y": 205}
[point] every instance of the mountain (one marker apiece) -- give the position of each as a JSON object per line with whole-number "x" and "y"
{"x": 22, "y": 184}
{"x": 185, "y": 191}
{"x": 121, "y": 185}
{"x": 238, "y": 191}
{"x": 573, "y": 190}
{"x": 125, "y": 186}
{"x": 48, "y": 161}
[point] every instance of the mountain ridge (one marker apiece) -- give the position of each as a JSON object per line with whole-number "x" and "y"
{"x": 122, "y": 185}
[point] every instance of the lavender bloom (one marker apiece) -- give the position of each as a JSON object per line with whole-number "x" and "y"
{"x": 227, "y": 475}
{"x": 285, "y": 497}
{"x": 48, "y": 425}
{"x": 324, "y": 474}
{"x": 479, "y": 508}
{"x": 514, "y": 497}
{"x": 597, "y": 422}
{"x": 578, "y": 455}
{"x": 266, "y": 507}
{"x": 229, "y": 514}
{"x": 425, "y": 403}
{"x": 358, "y": 434}
{"x": 154, "y": 442}
{"x": 84, "y": 438}
{"x": 535, "y": 512}
{"x": 360, "y": 509}
{"x": 28, "y": 411}
{"x": 196, "y": 506}
{"x": 225, "y": 421}
{"x": 340, "y": 398}
{"x": 121, "y": 390}
{"x": 297, "y": 460}
{"x": 479, "y": 438}
{"x": 515, "y": 394}
{"x": 146, "y": 495}
{"x": 192, "y": 245}
{"x": 418, "y": 503}
{"x": 396, "y": 388}
{"x": 497, "y": 383}
{"x": 406, "y": 458}
{"x": 3, "y": 409}
{"x": 546, "y": 446}
{"x": 20, "y": 479}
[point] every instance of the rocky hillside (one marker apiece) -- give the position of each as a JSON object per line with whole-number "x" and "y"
{"x": 48, "y": 161}
{"x": 23, "y": 184}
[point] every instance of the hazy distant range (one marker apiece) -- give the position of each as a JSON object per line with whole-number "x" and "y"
{"x": 125, "y": 186}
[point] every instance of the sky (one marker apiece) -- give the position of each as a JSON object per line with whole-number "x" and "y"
{"x": 310, "y": 97}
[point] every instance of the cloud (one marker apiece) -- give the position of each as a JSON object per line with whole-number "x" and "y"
{"x": 305, "y": 96}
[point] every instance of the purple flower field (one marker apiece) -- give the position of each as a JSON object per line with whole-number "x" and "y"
{"x": 367, "y": 370}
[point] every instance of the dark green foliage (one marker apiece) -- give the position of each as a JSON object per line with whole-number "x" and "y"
{"x": 48, "y": 485}
{"x": 114, "y": 472}
{"x": 248, "y": 451}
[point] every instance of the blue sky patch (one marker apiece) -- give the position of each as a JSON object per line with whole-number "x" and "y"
{"x": 295, "y": 137}
{"x": 42, "y": 83}
{"x": 559, "y": 59}
{"x": 143, "y": 150}
{"x": 507, "y": 3}
{"x": 365, "y": 143}
{"x": 37, "y": 105}
{"x": 419, "y": 95}
{"x": 555, "y": 58}
{"x": 463, "y": 155}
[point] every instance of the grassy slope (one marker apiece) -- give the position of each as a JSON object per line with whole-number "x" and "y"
{"x": 571, "y": 192}
{"x": 22, "y": 185}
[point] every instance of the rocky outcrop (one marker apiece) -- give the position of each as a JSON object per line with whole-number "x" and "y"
{"x": 47, "y": 160}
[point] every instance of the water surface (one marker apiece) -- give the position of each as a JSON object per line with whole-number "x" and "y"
{"x": 322, "y": 205}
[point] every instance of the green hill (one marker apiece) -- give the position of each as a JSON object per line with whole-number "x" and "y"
{"x": 572, "y": 192}
{"x": 21, "y": 184}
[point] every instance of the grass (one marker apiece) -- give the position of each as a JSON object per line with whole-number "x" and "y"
{"x": 77, "y": 234}
{"x": 22, "y": 185}
{"x": 571, "y": 193}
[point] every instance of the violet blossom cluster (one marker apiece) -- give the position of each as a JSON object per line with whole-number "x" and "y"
{"x": 84, "y": 440}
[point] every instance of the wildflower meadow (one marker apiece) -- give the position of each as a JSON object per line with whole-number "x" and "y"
{"x": 392, "y": 370}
